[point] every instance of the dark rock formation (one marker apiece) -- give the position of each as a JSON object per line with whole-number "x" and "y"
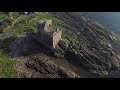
{"x": 41, "y": 67}
{"x": 95, "y": 51}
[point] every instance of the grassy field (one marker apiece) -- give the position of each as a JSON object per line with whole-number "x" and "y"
{"x": 7, "y": 65}
{"x": 2, "y": 15}
{"x": 26, "y": 23}
{"x": 7, "y": 68}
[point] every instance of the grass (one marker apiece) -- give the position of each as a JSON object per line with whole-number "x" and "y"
{"x": 7, "y": 65}
{"x": 74, "y": 38}
{"x": 7, "y": 68}
{"x": 55, "y": 21}
{"x": 20, "y": 26}
{"x": 7, "y": 42}
{"x": 30, "y": 22}
{"x": 2, "y": 15}
{"x": 64, "y": 35}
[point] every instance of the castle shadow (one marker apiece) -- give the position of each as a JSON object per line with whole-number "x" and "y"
{"x": 22, "y": 46}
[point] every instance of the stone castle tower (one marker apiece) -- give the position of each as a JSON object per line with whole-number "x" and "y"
{"x": 49, "y": 34}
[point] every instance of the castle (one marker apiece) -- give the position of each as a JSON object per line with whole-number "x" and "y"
{"x": 48, "y": 34}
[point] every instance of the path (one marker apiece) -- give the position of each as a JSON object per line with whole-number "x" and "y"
{"x": 16, "y": 20}
{"x": 6, "y": 34}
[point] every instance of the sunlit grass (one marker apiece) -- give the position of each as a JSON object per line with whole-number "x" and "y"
{"x": 2, "y": 15}
{"x": 7, "y": 68}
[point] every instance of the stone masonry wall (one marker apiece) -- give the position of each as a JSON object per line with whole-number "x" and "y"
{"x": 48, "y": 24}
{"x": 56, "y": 38}
{"x": 47, "y": 38}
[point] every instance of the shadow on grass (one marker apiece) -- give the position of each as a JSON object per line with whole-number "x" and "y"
{"x": 23, "y": 46}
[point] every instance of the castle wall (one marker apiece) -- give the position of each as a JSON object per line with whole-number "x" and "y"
{"x": 47, "y": 38}
{"x": 40, "y": 28}
{"x": 48, "y": 24}
{"x": 56, "y": 38}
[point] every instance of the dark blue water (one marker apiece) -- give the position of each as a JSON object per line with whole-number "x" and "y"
{"x": 110, "y": 20}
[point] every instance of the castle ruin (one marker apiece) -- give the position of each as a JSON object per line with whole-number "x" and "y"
{"x": 48, "y": 34}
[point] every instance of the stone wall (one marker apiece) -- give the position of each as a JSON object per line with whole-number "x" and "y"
{"x": 56, "y": 38}
{"x": 47, "y": 38}
{"x": 48, "y": 24}
{"x": 50, "y": 37}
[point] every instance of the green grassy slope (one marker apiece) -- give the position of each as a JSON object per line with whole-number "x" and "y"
{"x": 7, "y": 68}
{"x": 26, "y": 22}
{"x": 2, "y": 15}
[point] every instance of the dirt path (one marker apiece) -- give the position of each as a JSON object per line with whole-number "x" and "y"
{"x": 6, "y": 28}
{"x": 16, "y": 20}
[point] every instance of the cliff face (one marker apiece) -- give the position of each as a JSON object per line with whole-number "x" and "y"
{"x": 96, "y": 50}
{"x": 87, "y": 49}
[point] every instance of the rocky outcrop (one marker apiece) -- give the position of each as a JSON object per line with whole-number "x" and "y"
{"x": 95, "y": 51}
{"x": 38, "y": 66}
